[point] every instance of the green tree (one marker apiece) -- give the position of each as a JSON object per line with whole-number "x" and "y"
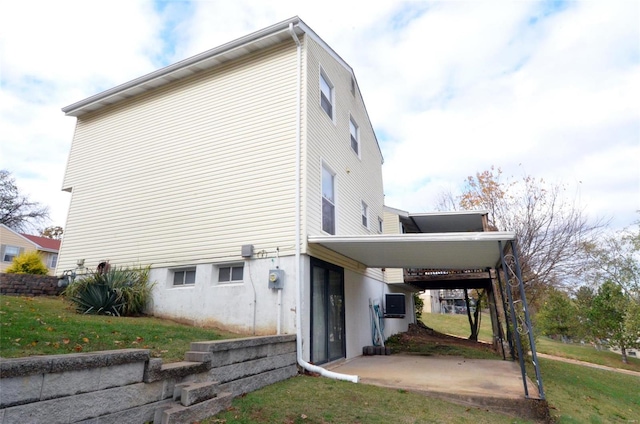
{"x": 583, "y": 298}
{"x": 614, "y": 317}
{"x": 16, "y": 210}
{"x": 558, "y": 315}
{"x": 29, "y": 262}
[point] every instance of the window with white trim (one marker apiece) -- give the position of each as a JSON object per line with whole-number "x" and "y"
{"x": 328, "y": 201}
{"x": 354, "y": 132}
{"x": 380, "y": 225}
{"x": 184, "y": 277}
{"x": 9, "y": 252}
{"x": 365, "y": 215}
{"x": 231, "y": 273}
{"x": 353, "y": 86}
{"x": 52, "y": 260}
{"x": 326, "y": 94}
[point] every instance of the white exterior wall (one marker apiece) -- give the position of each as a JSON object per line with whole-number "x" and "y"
{"x": 358, "y": 290}
{"x": 229, "y": 306}
{"x": 188, "y": 173}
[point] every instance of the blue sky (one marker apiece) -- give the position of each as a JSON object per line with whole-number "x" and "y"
{"x": 548, "y": 88}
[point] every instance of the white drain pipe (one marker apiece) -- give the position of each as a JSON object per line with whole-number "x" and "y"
{"x": 304, "y": 364}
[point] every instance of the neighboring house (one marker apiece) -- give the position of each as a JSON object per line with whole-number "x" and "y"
{"x": 13, "y": 243}
{"x": 249, "y": 178}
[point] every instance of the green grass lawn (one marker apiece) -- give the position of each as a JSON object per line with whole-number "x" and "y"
{"x": 577, "y": 394}
{"x": 458, "y": 325}
{"x": 47, "y": 326}
{"x": 585, "y": 353}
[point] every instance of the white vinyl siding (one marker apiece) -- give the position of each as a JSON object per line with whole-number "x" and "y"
{"x": 357, "y": 179}
{"x": 188, "y": 172}
{"x": 391, "y": 225}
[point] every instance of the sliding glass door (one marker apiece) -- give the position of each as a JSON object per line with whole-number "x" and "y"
{"x": 327, "y": 312}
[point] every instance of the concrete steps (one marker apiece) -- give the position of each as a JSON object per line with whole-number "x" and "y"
{"x": 193, "y": 402}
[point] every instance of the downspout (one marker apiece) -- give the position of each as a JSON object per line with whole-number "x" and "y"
{"x": 304, "y": 364}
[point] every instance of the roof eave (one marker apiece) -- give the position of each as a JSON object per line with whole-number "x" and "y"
{"x": 190, "y": 65}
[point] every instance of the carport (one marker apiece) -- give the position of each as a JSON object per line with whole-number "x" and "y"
{"x": 491, "y": 252}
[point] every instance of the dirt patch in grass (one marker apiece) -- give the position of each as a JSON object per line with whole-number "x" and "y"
{"x": 424, "y": 340}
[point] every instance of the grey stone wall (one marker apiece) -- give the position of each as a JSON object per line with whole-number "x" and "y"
{"x": 29, "y": 285}
{"x": 130, "y": 386}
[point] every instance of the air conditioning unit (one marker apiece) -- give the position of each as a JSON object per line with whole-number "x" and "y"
{"x": 394, "y": 305}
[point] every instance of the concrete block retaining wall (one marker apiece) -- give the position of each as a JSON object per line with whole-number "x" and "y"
{"x": 29, "y": 285}
{"x": 129, "y": 386}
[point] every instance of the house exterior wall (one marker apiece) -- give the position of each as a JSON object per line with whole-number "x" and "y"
{"x": 247, "y": 307}
{"x": 9, "y": 237}
{"x": 178, "y": 180}
{"x": 190, "y": 172}
{"x": 357, "y": 178}
{"x": 392, "y": 226}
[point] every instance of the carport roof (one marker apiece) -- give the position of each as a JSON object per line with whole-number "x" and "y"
{"x": 472, "y": 250}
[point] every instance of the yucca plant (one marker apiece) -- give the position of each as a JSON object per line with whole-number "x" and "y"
{"x": 126, "y": 289}
{"x": 98, "y": 299}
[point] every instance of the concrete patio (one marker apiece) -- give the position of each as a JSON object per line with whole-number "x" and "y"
{"x": 491, "y": 384}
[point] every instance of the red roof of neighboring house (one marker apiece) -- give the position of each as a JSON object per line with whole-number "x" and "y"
{"x": 44, "y": 242}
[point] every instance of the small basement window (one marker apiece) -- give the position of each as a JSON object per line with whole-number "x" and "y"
{"x": 231, "y": 273}
{"x": 184, "y": 277}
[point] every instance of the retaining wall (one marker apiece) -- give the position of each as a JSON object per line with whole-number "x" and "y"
{"x": 128, "y": 386}
{"x": 29, "y": 285}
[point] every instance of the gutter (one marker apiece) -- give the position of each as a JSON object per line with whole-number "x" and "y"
{"x": 304, "y": 364}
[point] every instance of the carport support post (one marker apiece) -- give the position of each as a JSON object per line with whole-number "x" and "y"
{"x": 504, "y": 308}
{"x": 532, "y": 343}
{"x": 514, "y": 319}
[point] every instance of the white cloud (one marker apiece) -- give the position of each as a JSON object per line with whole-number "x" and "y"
{"x": 451, "y": 87}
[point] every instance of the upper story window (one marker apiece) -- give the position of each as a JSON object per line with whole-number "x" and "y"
{"x": 184, "y": 277}
{"x": 328, "y": 201}
{"x": 380, "y": 225}
{"x": 365, "y": 215}
{"x": 326, "y": 94}
{"x": 231, "y": 273}
{"x": 353, "y": 86}
{"x": 354, "y": 132}
{"x": 9, "y": 252}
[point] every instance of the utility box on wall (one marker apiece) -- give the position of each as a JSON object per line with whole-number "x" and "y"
{"x": 276, "y": 279}
{"x": 394, "y": 305}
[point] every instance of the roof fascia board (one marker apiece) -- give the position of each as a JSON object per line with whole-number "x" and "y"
{"x": 395, "y": 211}
{"x": 447, "y": 213}
{"x": 76, "y": 108}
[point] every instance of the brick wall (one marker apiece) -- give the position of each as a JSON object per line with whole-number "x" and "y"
{"x": 29, "y": 285}
{"x": 127, "y": 386}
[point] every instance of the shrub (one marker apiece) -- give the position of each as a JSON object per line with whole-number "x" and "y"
{"x": 29, "y": 262}
{"x": 118, "y": 291}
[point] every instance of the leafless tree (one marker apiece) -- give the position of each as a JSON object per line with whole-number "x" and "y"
{"x": 18, "y": 212}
